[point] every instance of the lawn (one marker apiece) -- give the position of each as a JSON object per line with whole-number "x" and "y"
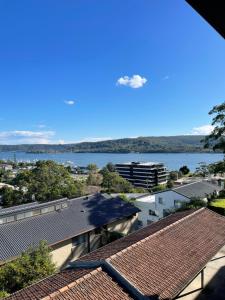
{"x": 218, "y": 203}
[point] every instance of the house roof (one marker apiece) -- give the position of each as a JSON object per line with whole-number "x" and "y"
{"x": 164, "y": 263}
{"x": 97, "y": 285}
{"x": 197, "y": 189}
{"x": 94, "y": 284}
{"x": 81, "y": 215}
{"x": 158, "y": 260}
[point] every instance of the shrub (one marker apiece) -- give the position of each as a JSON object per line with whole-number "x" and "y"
{"x": 33, "y": 264}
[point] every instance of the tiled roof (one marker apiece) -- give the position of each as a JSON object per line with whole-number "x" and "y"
{"x": 66, "y": 277}
{"x": 89, "y": 285}
{"x": 197, "y": 189}
{"x": 95, "y": 285}
{"x": 80, "y": 216}
{"x": 123, "y": 243}
{"x": 49, "y": 285}
{"x": 163, "y": 263}
{"x": 157, "y": 261}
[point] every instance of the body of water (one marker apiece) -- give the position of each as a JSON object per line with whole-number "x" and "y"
{"x": 173, "y": 161}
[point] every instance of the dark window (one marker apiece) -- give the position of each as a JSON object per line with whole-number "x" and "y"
{"x": 77, "y": 240}
{"x": 151, "y": 212}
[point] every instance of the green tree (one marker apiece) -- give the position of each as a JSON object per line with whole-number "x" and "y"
{"x": 184, "y": 170}
{"x": 48, "y": 181}
{"x": 94, "y": 179}
{"x": 217, "y": 168}
{"x": 202, "y": 169}
{"x": 92, "y": 168}
{"x": 169, "y": 184}
{"x": 33, "y": 264}
{"x": 3, "y": 294}
{"x": 114, "y": 183}
{"x": 11, "y": 197}
{"x": 216, "y": 138}
{"x": 110, "y": 167}
{"x": 173, "y": 175}
{"x": 159, "y": 187}
{"x": 193, "y": 204}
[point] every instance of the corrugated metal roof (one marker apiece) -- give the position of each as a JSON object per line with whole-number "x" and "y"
{"x": 82, "y": 215}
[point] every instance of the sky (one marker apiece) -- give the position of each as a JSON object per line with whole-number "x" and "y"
{"x": 89, "y": 70}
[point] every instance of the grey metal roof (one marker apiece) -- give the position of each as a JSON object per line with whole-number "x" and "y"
{"x": 82, "y": 215}
{"x": 197, "y": 189}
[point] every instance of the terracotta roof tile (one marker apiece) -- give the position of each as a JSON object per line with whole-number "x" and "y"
{"x": 158, "y": 260}
{"x": 59, "y": 280}
{"x": 166, "y": 261}
{"x": 95, "y": 285}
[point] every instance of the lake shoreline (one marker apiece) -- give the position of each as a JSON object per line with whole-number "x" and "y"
{"x": 173, "y": 161}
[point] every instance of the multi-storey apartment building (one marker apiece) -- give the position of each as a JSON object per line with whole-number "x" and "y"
{"x": 143, "y": 174}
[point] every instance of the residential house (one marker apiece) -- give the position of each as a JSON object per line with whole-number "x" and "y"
{"x": 165, "y": 260}
{"x": 157, "y": 205}
{"x": 72, "y": 227}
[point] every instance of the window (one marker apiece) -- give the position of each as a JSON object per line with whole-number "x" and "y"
{"x": 58, "y": 206}
{"x": 28, "y": 214}
{"x": 151, "y": 212}
{"x": 10, "y": 219}
{"x": 36, "y": 212}
{"x": 20, "y": 216}
{"x": 177, "y": 203}
{"x": 2, "y": 220}
{"x": 160, "y": 200}
{"x": 44, "y": 210}
{"x": 64, "y": 205}
{"x": 77, "y": 240}
{"x": 47, "y": 209}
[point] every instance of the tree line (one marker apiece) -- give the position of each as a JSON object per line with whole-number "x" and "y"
{"x": 186, "y": 143}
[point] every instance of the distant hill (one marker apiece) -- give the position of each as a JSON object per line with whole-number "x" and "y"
{"x": 182, "y": 143}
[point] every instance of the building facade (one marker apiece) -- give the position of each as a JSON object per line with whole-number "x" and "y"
{"x": 143, "y": 174}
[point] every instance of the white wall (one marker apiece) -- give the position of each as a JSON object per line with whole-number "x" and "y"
{"x": 151, "y": 202}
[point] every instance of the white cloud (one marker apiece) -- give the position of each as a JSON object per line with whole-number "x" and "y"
{"x": 69, "y": 102}
{"x": 202, "y": 130}
{"x": 135, "y": 82}
{"x": 26, "y": 137}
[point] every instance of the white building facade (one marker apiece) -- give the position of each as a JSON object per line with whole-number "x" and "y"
{"x": 156, "y": 206}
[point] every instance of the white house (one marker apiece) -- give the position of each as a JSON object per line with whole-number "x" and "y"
{"x": 157, "y": 205}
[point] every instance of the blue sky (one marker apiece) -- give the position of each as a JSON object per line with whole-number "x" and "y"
{"x": 67, "y": 70}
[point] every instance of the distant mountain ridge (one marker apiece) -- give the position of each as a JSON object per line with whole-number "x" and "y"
{"x": 152, "y": 144}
